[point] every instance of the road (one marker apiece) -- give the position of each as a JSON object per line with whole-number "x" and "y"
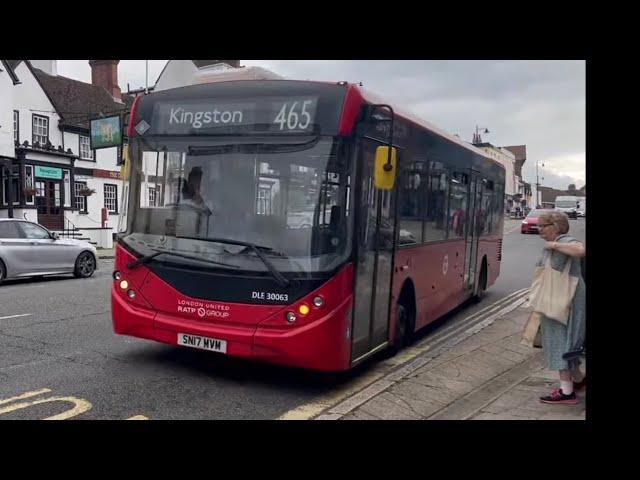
{"x": 60, "y": 358}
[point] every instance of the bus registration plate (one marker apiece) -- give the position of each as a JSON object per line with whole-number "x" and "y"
{"x": 203, "y": 343}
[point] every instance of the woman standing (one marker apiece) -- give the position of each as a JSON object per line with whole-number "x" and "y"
{"x": 558, "y": 338}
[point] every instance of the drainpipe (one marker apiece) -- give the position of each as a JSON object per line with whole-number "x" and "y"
{"x": 7, "y": 171}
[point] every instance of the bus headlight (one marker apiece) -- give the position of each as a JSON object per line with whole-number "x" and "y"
{"x": 124, "y": 284}
{"x": 131, "y": 294}
{"x": 291, "y": 317}
{"x": 318, "y": 301}
{"x": 117, "y": 275}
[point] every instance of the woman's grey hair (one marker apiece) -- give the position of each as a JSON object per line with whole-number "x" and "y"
{"x": 558, "y": 219}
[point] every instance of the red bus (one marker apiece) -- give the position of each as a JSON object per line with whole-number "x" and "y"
{"x": 299, "y": 223}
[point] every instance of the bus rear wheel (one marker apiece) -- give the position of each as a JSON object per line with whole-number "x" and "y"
{"x": 401, "y": 334}
{"x": 482, "y": 284}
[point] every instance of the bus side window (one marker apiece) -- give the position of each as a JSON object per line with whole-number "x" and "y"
{"x": 436, "y": 224}
{"x": 458, "y": 193}
{"x": 412, "y": 203}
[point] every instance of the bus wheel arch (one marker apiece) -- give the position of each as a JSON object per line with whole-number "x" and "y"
{"x": 405, "y": 316}
{"x": 481, "y": 287}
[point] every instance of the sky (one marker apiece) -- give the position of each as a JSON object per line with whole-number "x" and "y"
{"x": 537, "y": 103}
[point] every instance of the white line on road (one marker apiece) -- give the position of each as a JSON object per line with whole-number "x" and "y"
{"x": 15, "y": 316}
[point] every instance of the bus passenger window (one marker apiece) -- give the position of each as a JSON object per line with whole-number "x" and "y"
{"x": 412, "y": 206}
{"x": 458, "y": 205}
{"x": 436, "y": 224}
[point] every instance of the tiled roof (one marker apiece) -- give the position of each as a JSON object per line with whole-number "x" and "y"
{"x": 520, "y": 151}
{"x": 78, "y": 102}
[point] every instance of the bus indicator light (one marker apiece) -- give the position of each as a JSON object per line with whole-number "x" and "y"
{"x": 303, "y": 309}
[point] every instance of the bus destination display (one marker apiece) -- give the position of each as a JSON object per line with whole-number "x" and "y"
{"x": 281, "y": 115}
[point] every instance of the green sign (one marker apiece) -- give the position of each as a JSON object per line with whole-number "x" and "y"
{"x": 106, "y": 132}
{"x": 49, "y": 172}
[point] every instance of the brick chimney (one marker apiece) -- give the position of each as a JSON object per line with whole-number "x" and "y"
{"x": 104, "y": 73}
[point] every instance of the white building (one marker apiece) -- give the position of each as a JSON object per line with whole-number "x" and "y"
{"x": 61, "y": 182}
{"x": 507, "y": 159}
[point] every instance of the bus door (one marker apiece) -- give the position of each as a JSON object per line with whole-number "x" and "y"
{"x": 375, "y": 225}
{"x": 474, "y": 228}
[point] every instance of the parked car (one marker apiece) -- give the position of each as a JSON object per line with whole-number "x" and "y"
{"x": 29, "y": 250}
{"x": 530, "y": 223}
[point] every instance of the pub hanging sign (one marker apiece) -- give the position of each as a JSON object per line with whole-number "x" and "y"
{"x": 106, "y": 132}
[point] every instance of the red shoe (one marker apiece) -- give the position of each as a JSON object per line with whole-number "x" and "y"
{"x": 559, "y": 398}
{"x": 581, "y": 384}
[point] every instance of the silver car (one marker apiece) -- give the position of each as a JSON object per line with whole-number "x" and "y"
{"x": 28, "y": 249}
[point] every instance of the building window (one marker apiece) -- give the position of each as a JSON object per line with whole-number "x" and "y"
{"x": 152, "y": 196}
{"x": 85, "y": 148}
{"x": 40, "y": 130}
{"x": 15, "y": 186}
{"x": 81, "y": 200}
{"x": 111, "y": 197}
{"x": 28, "y": 183}
{"x": 16, "y": 126}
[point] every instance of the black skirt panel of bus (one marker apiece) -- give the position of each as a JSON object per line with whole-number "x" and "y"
{"x": 250, "y": 288}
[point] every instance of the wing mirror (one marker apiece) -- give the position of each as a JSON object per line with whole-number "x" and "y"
{"x": 55, "y": 236}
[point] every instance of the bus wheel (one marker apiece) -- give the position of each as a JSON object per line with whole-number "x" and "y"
{"x": 482, "y": 284}
{"x": 401, "y": 336}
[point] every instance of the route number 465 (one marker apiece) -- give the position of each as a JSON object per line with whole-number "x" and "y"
{"x": 295, "y": 117}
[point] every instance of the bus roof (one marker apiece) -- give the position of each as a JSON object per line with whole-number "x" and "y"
{"x": 370, "y": 97}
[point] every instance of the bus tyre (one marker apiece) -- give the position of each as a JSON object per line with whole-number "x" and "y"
{"x": 402, "y": 327}
{"x": 482, "y": 284}
{"x": 85, "y": 265}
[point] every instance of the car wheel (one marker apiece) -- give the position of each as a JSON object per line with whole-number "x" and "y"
{"x": 3, "y": 271}
{"x": 85, "y": 265}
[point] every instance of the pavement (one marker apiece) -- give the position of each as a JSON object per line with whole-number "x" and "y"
{"x": 483, "y": 375}
{"x": 105, "y": 253}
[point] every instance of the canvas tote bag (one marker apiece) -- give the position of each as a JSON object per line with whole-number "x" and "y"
{"x": 531, "y": 333}
{"x": 552, "y": 291}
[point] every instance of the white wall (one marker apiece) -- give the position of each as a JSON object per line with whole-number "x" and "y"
{"x": 6, "y": 114}
{"x": 29, "y": 99}
{"x": 177, "y": 73}
{"x": 507, "y": 159}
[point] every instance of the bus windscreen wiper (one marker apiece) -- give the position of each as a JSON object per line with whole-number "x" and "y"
{"x": 258, "y": 147}
{"x": 156, "y": 253}
{"x": 281, "y": 279}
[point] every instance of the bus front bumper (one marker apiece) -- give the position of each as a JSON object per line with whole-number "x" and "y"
{"x": 323, "y": 344}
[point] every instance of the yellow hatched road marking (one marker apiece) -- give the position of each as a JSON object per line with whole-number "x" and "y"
{"x": 80, "y": 406}
{"x": 25, "y": 395}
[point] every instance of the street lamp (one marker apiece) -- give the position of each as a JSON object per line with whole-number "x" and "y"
{"x": 538, "y": 196}
{"x": 476, "y": 137}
